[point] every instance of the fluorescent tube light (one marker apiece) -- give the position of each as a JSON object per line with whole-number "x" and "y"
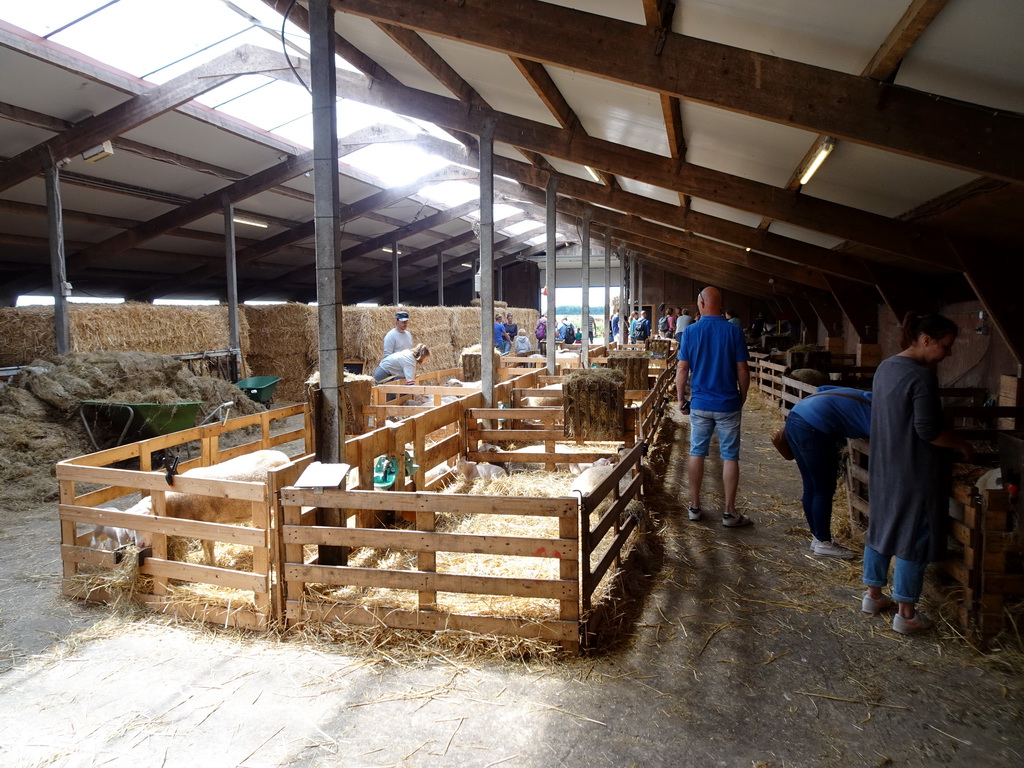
{"x": 594, "y": 174}
{"x": 823, "y": 151}
{"x": 250, "y": 222}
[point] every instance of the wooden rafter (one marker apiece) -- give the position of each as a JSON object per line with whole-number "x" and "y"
{"x": 859, "y": 109}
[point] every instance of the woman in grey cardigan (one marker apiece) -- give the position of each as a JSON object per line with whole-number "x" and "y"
{"x": 907, "y": 504}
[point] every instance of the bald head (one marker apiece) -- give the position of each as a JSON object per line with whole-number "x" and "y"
{"x": 709, "y": 301}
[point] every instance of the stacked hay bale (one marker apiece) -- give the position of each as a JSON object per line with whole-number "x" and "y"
{"x": 472, "y": 362}
{"x": 284, "y": 344}
{"x": 132, "y": 326}
{"x": 595, "y": 402}
{"x": 634, "y": 364}
{"x": 428, "y": 325}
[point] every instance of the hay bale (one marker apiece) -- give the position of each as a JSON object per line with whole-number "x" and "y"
{"x": 132, "y": 326}
{"x": 634, "y": 366}
{"x": 358, "y": 393}
{"x": 595, "y": 403}
{"x": 284, "y": 344}
{"x": 472, "y": 362}
{"x": 661, "y": 346}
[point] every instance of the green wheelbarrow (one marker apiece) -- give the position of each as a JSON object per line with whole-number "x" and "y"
{"x": 140, "y": 420}
{"x": 259, "y": 388}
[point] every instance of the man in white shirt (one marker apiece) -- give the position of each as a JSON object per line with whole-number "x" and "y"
{"x": 398, "y": 338}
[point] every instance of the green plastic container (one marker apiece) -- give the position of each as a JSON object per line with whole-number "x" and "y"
{"x": 259, "y": 388}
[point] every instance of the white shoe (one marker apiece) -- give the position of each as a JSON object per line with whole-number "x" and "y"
{"x": 693, "y": 513}
{"x": 831, "y": 549}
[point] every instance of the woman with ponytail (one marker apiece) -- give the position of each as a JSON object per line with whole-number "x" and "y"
{"x": 908, "y": 504}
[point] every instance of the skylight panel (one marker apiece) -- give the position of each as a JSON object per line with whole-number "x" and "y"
{"x": 275, "y": 103}
{"x": 395, "y": 164}
{"x": 44, "y": 18}
{"x": 449, "y": 194}
{"x": 139, "y": 36}
{"x": 501, "y": 211}
{"x": 520, "y": 227}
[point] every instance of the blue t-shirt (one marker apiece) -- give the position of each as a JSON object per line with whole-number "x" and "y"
{"x": 837, "y": 416}
{"x": 499, "y": 330}
{"x": 713, "y": 347}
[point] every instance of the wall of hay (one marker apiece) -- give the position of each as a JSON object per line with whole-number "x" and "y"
{"x": 27, "y": 332}
{"x": 276, "y": 339}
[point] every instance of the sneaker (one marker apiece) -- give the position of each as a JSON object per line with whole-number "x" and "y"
{"x": 813, "y": 542}
{"x": 693, "y": 513}
{"x": 919, "y": 623}
{"x": 873, "y": 606}
{"x": 831, "y": 549}
{"x": 735, "y": 521}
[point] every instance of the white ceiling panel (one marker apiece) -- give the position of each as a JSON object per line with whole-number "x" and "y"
{"x": 632, "y": 12}
{"x": 881, "y": 182}
{"x": 613, "y": 111}
{"x": 966, "y": 54}
{"x": 368, "y": 38}
{"x": 649, "y": 190}
{"x": 804, "y": 235}
{"x": 743, "y": 146}
{"x": 54, "y": 92}
{"x": 835, "y": 34}
{"x": 725, "y": 212}
{"x": 493, "y": 75}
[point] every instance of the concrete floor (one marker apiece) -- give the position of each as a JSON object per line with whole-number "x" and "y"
{"x": 747, "y": 652}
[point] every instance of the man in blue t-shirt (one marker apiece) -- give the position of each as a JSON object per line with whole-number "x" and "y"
{"x": 713, "y": 360}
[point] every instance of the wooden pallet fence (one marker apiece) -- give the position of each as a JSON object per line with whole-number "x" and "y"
{"x": 427, "y": 581}
{"x": 79, "y": 514}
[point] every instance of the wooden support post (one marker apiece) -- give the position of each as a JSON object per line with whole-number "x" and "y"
{"x": 859, "y": 304}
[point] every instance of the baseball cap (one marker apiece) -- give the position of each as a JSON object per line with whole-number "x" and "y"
{"x": 401, "y": 316}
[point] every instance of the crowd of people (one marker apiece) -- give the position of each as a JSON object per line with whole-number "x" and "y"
{"x": 911, "y": 450}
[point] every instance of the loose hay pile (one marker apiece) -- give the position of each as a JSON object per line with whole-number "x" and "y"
{"x": 39, "y": 410}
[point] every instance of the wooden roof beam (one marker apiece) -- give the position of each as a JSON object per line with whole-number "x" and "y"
{"x": 829, "y": 102}
{"x": 129, "y": 114}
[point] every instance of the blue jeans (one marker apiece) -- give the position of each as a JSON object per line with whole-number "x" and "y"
{"x": 908, "y": 575}
{"x": 702, "y": 425}
{"x": 817, "y": 456}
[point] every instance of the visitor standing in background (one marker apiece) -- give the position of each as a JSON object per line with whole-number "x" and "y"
{"x": 713, "y": 361}
{"x": 511, "y": 330}
{"x": 522, "y": 344}
{"x": 682, "y": 322}
{"x": 398, "y": 338}
{"x": 616, "y": 328}
{"x": 908, "y": 470}
{"x": 733, "y": 318}
{"x": 501, "y": 340}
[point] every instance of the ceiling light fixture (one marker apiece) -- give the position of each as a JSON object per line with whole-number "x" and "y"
{"x": 250, "y": 222}
{"x": 94, "y": 155}
{"x": 387, "y": 249}
{"x": 594, "y": 174}
{"x": 824, "y": 149}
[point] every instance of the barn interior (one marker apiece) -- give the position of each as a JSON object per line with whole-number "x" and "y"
{"x": 828, "y": 165}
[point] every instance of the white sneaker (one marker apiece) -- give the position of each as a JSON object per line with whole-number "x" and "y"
{"x": 693, "y": 513}
{"x": 813, "y": 542}
{"x": 831, "y": 549}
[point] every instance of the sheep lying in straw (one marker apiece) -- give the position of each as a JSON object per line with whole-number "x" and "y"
{"x": 252, "y": 467}
{"x": 472, "y": 470}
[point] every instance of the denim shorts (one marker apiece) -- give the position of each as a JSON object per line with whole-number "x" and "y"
{"x": 702, "y": 425}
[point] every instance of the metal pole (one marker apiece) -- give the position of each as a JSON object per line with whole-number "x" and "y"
{"x": 58, "y": 263}
{"x": 231, "y": 275}
{"x": 487, "y": 263}
{"x": 607, "y": 287}
{"x": 326, "y": 205}
{"x": 585, "y": 289}
{"x": 550, "y": 205}
{"x": 640, "y": 285}
{"x": 440, "y": 278}
{"x": 626, "y": 304}
{"x": 394, "y": 273}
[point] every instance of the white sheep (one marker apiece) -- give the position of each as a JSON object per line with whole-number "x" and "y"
{"x": 472, "y": 470}
{"x": 251, "y": 467}
{"x": 110, "y": 537}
